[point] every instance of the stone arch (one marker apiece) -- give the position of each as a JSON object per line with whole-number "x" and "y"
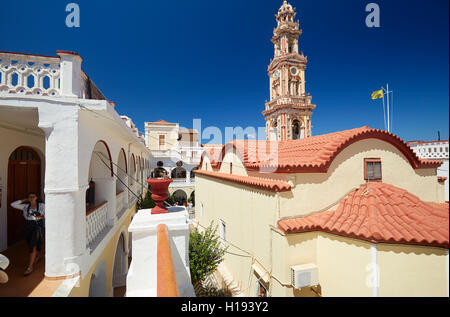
{"x": 122, "y": 170}
{"x": 298, "y": 129}
{"x": 104, "y": 154}
{"x": 192, "y": 197}
{"x": 132, "y": 170}
{"x": 180, "y": 196}
{"x": 179, "y": 171}
{"x": 120, "y": 267}
{"x": 100, "y": 174}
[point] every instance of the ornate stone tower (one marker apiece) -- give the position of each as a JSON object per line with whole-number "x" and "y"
{"x": 289, "y": 111}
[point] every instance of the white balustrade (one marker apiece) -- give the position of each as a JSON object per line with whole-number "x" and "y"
{"x": 96, "y": 221}
{"x": 29, "y": 74}
{"x": 39, "y": 75}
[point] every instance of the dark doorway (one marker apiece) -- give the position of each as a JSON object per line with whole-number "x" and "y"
{"x": 24, "y": 176}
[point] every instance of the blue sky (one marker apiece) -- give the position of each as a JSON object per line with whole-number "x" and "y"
{"x": 179, "y": 60}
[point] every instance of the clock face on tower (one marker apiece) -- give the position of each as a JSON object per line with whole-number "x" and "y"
{"x": 294, "y": 71}
{"x": 276, "y": 75}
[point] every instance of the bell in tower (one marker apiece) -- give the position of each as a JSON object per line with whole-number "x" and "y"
{"x": 289, "y": 111}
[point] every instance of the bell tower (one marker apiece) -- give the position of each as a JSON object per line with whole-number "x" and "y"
{"x": 289, "y": 111}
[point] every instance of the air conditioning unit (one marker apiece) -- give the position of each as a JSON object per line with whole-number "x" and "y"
{"x": 304, "y": 275}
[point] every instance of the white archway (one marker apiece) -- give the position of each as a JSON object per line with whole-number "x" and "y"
{"x": 120, "y": 268}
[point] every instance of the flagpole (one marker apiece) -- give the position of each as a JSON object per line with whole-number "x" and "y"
{"x": 392, "y": 114}
{"x": 384, "y": 111}
{"x": 388, "y": 110}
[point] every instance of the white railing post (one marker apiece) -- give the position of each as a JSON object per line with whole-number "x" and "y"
{"x": 70, "y": 67}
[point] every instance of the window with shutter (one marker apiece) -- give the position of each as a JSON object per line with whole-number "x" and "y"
{"x": 372, "y": 169}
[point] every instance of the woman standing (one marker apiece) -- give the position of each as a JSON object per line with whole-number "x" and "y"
{"x": 33, "y": 212}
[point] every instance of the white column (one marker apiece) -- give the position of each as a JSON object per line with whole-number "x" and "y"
{"x": 70, "y": 74}
{"x": 188, "y": 176}
{"x": 64, "y": 194}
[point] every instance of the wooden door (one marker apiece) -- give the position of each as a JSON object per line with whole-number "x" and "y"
{"x": 24, "y": 176}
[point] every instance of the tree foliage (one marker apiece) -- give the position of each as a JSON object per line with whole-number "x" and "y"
{"x": 146, "y": 202}
{"x": 205, "y": 252}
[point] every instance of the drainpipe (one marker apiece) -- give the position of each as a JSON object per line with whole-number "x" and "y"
{"x": 374, "y": 262}
{"x": 446, "y": 256}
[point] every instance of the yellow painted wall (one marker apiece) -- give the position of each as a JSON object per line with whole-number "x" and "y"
{"x": 247, "y": 213}
{"x": 344, "y": 267}
{"x": 412, "y": 271}
{"x": 108, "y": 254}
{"x": 315, "y": 191}
{"x": 153, "y": 138}
{"x": 251, "y": 216}
{"x": 238, "y": 166}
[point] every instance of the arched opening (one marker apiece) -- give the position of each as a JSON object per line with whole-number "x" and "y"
{"x": 97, "y": 286}
{"x": 100, "y": 194}
{"x": 121, "y": 172}
{"x": 179, "y": 171}
{"x": 100, "y": 174}
{"x": 24, "y": 176}
{"x": 297, "y": 130}
{"x": 180, "y": 197}
{"x": 120, "y": 268}
{"x": 141, "y": 174}
{"x": 193, "y": 172}
{"x": 192, "y": 198}
{"x": 132, "y": 178}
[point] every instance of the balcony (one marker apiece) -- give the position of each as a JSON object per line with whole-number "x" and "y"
{"x": 298, "y": 102}
{"x": 96, "y": 223}
{"x": 38, "y": 75}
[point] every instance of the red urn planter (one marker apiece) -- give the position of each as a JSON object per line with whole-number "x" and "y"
{"x": 160, "y": 188}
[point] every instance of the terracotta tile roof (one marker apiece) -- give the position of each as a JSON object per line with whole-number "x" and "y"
{"x": 441, "y": 179}
{"x": 379, "y": 212}
{"x": 161, "y": 122}
{"x": 315, "y": 154}
{"x": 213, "y": 151}
{"x": 267, "y": 184}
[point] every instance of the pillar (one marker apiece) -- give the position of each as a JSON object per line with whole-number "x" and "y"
{"x": 70, "y": 74}
{"x": 64, "y": 193}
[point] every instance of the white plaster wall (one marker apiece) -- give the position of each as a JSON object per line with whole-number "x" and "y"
{"x": 68, "y": 139}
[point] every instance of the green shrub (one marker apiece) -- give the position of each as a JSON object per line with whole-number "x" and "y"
{"x": 205, "y": 252}
{"x": 147, "y": 202}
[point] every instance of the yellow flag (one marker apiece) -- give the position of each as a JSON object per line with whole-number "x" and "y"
{"x": 377, "y": 94}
